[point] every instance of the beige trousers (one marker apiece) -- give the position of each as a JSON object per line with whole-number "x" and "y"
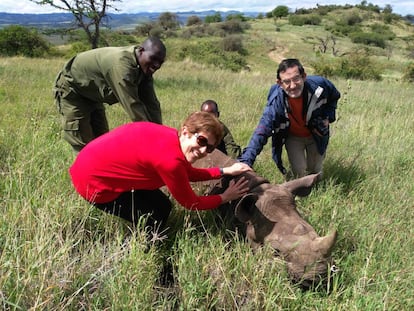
{"x": 303, "y": 156}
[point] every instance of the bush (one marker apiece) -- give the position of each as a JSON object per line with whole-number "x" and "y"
{"x": 18, "y": 40}
{"x": 215, "y": 18}
{"x": 324, "y": 68}
{"x": 232, "y": 26}
{"x": 117, "y": 38}
{"x": 300, "y": 20}
{"x": 358, "y": 67}
{"x": 145, "y": 29}
{"x": 194, "y": 20}
{"x": 409, "y": 73}
{"x": 209, "y": 52}
{"x": 351, "y": 19}
{"x": 237, "y": 16}
{"x": 368, "y": 38}
{"x": 296, "y": 20}
{"x": 341, "y": 29}
{"x": 76, "y": 48}
{"x": 233, "y": 43}
{"x": 198, "y": 31}
{"x": 353, "y": 66}
{"x": 384, "y": 31}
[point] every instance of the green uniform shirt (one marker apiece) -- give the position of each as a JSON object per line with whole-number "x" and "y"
{"x": 111, "y": 75}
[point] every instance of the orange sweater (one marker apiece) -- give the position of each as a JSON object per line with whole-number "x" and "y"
{"x": 297, "y": 118}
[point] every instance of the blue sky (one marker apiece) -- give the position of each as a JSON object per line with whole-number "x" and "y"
{"x": 403, "y": 7}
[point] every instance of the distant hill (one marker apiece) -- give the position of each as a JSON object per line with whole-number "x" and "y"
{"x": 114, "y": 21}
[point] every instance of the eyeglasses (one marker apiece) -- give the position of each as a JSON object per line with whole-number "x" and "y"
{"x": 295, "y": 79}
{"x": 203, "y": 142}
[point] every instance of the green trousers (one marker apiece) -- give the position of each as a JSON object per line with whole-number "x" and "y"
{"x": 82, "y": 119}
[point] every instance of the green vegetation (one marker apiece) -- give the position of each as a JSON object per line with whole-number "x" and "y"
{"x": 59, "y": 253}
{"x": 360, "y": 42}
{"x": 18, "y": 40}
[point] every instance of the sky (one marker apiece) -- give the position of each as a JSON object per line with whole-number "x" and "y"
{"x": 402, "y": 7}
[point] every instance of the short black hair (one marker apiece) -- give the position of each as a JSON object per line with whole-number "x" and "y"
{"x": 289, "y": 63}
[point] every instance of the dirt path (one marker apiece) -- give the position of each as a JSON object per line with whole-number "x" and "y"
{"x": 277, "y": 54}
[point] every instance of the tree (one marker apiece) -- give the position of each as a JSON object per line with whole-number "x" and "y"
{"x": 194, "y": 20}
{"x": 88, "y": 14}
{"x": 280, "y": 11}
{"x": 215, "y": 18}
{"x": 168, "y": 21}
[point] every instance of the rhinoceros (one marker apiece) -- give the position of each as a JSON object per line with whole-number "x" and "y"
{"x": 268, "y": 215}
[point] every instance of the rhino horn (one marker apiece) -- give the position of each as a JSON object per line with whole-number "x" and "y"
{"x": 302, "y": 186}
{"x": 325, "y": 244}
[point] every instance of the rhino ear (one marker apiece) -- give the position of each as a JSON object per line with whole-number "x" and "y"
{"x": 243, "y": 207}
{"x": 302, "y": 186}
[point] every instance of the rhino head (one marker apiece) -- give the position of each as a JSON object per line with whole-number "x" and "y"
{"x": 270, "y": 216}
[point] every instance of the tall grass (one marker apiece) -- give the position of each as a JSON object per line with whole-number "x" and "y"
{"x": 59, "y": 253}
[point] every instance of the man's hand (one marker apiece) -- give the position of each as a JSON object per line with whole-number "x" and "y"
{"x": 236, "y": 169}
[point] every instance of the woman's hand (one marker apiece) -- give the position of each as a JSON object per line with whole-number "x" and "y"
{"x": 236, "y": 169}
{"x": 235, "y": 190}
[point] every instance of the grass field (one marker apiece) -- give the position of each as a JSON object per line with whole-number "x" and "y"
{"x": 59, "y": 253}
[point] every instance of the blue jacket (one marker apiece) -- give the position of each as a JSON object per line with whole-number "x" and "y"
{"x": 320, "y": 98}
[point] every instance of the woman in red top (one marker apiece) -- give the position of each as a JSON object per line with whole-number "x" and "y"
{"x": 121, "y": 171}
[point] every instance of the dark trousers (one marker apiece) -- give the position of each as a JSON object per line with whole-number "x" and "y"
{"x": 132, "y": 205}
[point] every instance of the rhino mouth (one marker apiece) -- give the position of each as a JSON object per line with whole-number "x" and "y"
{"x": 314, "y": 275}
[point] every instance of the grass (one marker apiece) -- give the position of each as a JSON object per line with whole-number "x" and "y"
{"x": 59, "y": 253}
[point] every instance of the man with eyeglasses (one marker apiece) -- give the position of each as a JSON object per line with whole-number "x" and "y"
{"x": 297, "y": 115}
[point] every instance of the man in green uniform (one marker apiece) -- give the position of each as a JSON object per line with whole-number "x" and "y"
{"x": 108, "y": 75}
{"x": 227, "y": 144}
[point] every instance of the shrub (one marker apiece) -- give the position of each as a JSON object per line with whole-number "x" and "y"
{"x": 156, "y": 31}
{"x": 296, "y": 20}
{"x": 233, "y": 43}
{"x": 351, "y": 19}
{"x": 18, "y": 40}
{"x": 236, "y": 16}
{"x": 232, "y": 26}
{"x": 300, "y": 20}
{"x": 409, "y": 73}
{"x": 358, "y": 67}
{"x": 354, "y": 66}
{"x": 117, "y": 38}
{"x": 211, "y": 53}
{"x": 384, "y": 31}
{"x": 324, "y": 68}
{"x": 145, "y": 29}
{"x": 368, "y": 38}
{"x": 341, "y": 29}
{"x": 194, "y": 20}
{"x": 77, "y": 47}
{"x": 215, "y": 18}
{"x": 198, "y": 31}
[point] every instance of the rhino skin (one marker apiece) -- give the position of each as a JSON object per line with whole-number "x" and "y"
{"x": 268, "y": 215}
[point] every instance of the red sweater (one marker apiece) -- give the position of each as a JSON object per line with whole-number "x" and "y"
{"x": 139, "y": 155}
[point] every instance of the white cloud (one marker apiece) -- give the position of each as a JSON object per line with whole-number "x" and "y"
{"x": 403, "y": 7}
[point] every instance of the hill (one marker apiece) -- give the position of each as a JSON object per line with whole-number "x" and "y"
{"x": 114, "y": 21}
